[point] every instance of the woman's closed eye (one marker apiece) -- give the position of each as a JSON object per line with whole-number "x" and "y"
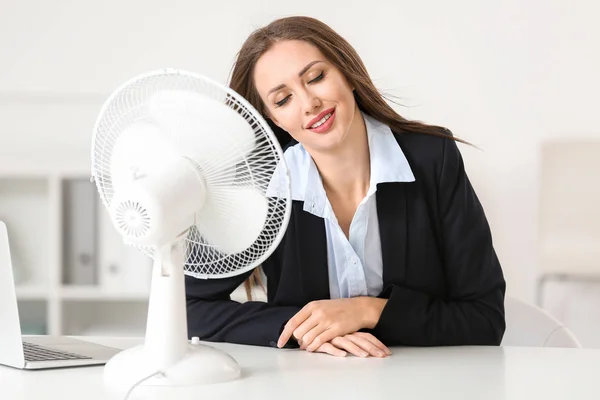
{"x": 282, "y": 102}
{"x": 318, "y": 78}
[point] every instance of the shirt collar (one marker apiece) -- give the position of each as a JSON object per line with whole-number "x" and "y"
{"x": 388, "y": 164}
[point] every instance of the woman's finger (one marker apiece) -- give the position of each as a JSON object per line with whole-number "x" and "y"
{"x": 366, "y": 345}
{"x": 292, "y": 325}
{"x": 346, "y": 344}
{"x": 373, "y": 340}
{"x": 332, "y": 350}
{"x": 307, "y": 338}
{"x": 325, "y": 335}
{"x": 301, "y": 331}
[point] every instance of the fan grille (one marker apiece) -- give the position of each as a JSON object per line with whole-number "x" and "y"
{"x": 130, "y": 104}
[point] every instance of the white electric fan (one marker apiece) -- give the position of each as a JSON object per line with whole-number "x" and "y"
{"x": 183, "y": 164}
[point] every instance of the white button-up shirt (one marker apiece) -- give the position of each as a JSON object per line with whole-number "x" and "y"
{"x": 354, "y": 263}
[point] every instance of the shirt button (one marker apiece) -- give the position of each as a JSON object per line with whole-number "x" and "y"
{"x": 354, "y": 261}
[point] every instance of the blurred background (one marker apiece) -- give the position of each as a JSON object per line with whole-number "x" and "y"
{"x": 517, "y": 79}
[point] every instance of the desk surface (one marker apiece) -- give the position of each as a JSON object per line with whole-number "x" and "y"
{"x": 410, "y": 373}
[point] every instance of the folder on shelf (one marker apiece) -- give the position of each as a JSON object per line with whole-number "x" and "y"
{"x": 79, "y": 232}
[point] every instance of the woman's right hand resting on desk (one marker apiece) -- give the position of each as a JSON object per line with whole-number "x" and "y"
{"x": 360, "y": 344}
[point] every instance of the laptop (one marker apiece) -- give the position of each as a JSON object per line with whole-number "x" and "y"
{"x": 37, "y": 352}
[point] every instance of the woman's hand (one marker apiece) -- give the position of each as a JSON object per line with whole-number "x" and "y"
{"x": 360, "y": 344}
{"x": 320, "y": 321}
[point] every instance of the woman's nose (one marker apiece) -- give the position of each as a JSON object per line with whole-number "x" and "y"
{"x": 311, "y": 103}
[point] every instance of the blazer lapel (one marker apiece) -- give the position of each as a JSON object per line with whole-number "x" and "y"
{"x": 393, "y": 225}
{"x": 311, "y": 247}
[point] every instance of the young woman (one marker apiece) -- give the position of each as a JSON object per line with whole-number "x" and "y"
{"x": 387, "y": 243}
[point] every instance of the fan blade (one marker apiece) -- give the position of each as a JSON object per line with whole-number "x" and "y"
{"x": 233, "y": 217}
{"x": 207, "y": 131}
{"x": 140, "y": 149}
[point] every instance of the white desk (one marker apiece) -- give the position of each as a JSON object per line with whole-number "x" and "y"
{"x": 459, "y": 373}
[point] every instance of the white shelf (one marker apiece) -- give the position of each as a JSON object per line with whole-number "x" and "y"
{"x": 32, "y": 292}
{"x": 91, "y": 293}
{"x": 25, "y": 208}
{"x": 31, "y": 204}
{"x": 19, "y": 169}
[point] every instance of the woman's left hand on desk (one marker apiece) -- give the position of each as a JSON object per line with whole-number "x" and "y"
{"x": 360, "y": 344}
{"x": 321, "y": 321}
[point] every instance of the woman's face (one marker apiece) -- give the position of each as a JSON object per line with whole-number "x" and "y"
{"x": 305, "y": 94}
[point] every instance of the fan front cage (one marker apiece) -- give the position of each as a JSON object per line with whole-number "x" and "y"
{"x": 263, "y": 165}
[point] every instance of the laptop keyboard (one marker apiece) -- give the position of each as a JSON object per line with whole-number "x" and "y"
{"x": 34, "y": 352}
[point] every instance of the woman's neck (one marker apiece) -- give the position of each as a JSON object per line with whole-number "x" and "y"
{"x": 346, "y": 172}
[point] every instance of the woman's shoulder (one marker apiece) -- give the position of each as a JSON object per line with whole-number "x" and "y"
{"x": 424, "y": 144}
{"x": 428, "y": 153}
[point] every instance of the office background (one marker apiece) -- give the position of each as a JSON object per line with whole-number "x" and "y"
{"x": 504, "y": 76}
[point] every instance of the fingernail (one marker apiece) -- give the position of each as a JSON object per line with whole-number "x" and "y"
{"x": 364, "y": 354}
{"x": 380, "y": 353}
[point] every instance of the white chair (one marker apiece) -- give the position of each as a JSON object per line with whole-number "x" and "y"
{"x": 529, "y": 325}
{"x": 569, "y": 219}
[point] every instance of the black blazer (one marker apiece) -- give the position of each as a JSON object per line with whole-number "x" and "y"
{"x": 440, "y": 272}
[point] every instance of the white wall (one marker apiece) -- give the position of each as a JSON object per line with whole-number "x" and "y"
{"x": 502, "y": 75}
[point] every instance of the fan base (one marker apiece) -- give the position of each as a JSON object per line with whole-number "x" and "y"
{"x": 201, "y": 365}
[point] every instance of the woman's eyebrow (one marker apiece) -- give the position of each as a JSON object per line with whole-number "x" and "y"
{"x": 302, "y": 72}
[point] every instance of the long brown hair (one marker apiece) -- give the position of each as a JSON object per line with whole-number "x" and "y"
{"x": 337, "y": 51}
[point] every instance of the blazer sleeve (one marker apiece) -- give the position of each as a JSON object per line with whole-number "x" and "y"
{"x": 472, "y": 313}
{"x": 213, "y": 316}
